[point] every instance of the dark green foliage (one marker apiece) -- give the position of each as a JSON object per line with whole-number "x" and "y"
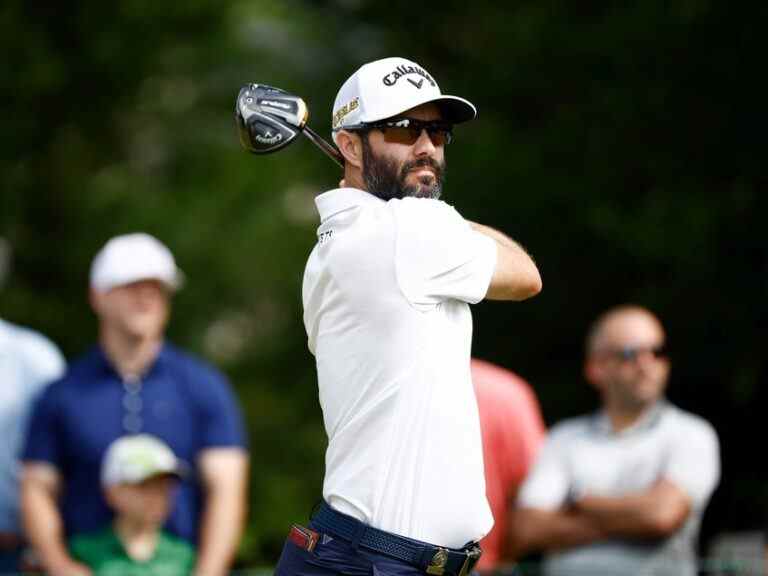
{"x": 621, "y": 143}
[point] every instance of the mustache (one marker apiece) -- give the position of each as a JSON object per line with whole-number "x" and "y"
{"x": 436, "y": 166}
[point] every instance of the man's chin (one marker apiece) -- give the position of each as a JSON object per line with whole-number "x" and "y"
{"x": 431, "y": 193}
{"x": 421, "y": 192}
{"x": 144, "y": 331}
{"x": 422, "y": 188}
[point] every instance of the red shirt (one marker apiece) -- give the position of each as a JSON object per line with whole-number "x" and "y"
{"x": 512, "y": 429}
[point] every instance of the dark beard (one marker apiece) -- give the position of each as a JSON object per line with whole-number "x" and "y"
{"x": 383, "y": 180}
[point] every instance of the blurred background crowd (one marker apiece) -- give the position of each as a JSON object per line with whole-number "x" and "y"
{"x": 619, "y": 142}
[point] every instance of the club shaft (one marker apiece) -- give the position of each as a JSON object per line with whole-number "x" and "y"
{"x": 332, "y": 152}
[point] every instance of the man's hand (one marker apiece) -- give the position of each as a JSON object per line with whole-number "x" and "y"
{"x": 67, "y": 567}
{"x": 532, "y": 529}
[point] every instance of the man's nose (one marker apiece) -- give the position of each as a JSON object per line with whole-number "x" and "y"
{"x": 645, "y": 359}
{"x": 424, "y": 144}
{"x": 146, "y": 291}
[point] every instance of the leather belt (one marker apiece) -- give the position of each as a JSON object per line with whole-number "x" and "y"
{"x": 435, "y": 560}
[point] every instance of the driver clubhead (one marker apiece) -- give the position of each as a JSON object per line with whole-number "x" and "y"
{"x": 268, "y": 118}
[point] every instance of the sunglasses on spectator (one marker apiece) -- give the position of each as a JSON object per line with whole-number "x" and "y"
{"x": 632, "y": 353}
{"x": 408, "y": 130}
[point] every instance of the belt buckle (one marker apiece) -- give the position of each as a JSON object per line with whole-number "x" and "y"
{"x": 438, "y": 562}
{"x": 473, "y": 555}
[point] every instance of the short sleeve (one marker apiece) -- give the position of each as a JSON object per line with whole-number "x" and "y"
{"x": 222, "y": 419}
{"x": 46, "y": 363}
{"x": 438, "y": 256}
{"x": 39, "y": 359}
{"x": 694, "y": 461}
{"x": 547, "y": 487}
{"x": 43, "y": 438}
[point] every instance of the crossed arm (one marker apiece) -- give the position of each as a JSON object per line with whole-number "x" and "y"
{"x": 654, "y": 513}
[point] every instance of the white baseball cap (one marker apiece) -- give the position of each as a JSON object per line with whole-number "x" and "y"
{"x": 384, "y": 88}
{"x": 133, "y": 459}
{"x": 133, "y": 257}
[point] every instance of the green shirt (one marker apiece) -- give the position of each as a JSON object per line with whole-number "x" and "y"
{"x": 103, "y": 553}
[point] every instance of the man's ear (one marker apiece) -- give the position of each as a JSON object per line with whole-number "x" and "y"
{"x": 94, "y": 298}
{"x": 116, "y": 496}
{"x": 351, "y": 147}
{"x": 593, "y": 372}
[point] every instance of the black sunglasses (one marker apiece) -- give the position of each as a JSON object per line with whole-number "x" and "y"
{"x": 632, "y": 353}
{"x": 408, "y": 130}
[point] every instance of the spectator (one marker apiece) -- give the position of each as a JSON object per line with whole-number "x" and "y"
{"x": 512, "y": 429}
{"x": 131, "y": 382}
{"x": 621, "y": 491}
{"x": 138, "y": 476}
{"x": 28, "y": 362}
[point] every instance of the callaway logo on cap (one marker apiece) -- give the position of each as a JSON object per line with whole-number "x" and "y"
{"x": 385, "y": 88}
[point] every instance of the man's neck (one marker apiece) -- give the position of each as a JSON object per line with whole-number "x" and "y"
{"x": 131, "y": 357}
{"x": 622, "y": 418}
{"x": 352, "y": 179}
{"x": 138, "y": 540}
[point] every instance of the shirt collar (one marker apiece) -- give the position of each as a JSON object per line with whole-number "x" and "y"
{"x": 340, "y": 199}
{"x": 106, "y": 364}
{"x": 647, "y": 421}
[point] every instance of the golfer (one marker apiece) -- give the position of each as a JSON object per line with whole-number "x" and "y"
{"x": 386, "y": 298}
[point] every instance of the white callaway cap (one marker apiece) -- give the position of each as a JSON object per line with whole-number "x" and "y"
{"x": 133, "y": 459}
{"x": 385, "y": 88}
{"x": 133, "y": 257}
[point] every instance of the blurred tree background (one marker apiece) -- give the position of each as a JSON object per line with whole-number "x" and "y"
{"x": 621, "y": 142}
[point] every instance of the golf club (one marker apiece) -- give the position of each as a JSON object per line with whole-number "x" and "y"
{"x": 268, "y": 119}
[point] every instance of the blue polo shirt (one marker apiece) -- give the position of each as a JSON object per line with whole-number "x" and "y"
{"x": 180, "y": 399}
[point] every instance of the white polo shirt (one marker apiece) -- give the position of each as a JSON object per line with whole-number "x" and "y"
{"x": 584, "y": 455}
{"x": 386, "y": 293}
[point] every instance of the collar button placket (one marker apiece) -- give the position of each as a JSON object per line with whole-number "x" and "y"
{"x": 132, "y": 406}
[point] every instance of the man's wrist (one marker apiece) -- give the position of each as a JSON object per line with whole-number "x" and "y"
{"x": 54, "y": 558}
